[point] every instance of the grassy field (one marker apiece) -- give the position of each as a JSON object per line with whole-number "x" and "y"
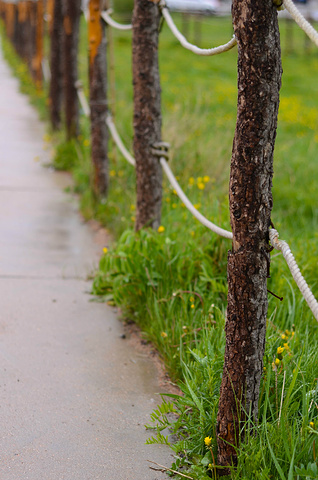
{"x": 173, "y": 283}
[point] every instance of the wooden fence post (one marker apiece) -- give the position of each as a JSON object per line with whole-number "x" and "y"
{"x": 98, "y": 97}
{"x": 39, "y": 43}
{"x": 259, "y": 78}
{"x": 147, "y": 113}
{"x": 70, "y": 51}
{"x": 56, "y": 64}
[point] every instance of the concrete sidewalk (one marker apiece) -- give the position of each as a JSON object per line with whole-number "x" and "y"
{"x": 74, "y": 396}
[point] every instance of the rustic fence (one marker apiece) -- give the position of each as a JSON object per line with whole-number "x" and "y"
{"x": 25, "y": 25}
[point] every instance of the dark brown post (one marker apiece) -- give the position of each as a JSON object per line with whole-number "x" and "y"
{"x": 39, "y": 43}
{"x": 259, "y": 79}
{"x": 56, "y": 63}
{"x": 98, "y": 100}
{"x": 147, "y": 112}
{"x": 71, "y": 38}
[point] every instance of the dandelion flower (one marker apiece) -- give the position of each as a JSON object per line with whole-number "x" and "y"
{"x": 312, "y": 424}
{"x": 112, "y": 173}
{"x": 86, "y": 143}
{"x": 192, "y": 306}
{"x": 161, "y": 229}
{"x": 280, "y": 350}
{"x": 105, "y": 249}
{"x": 208, "y": 441}
{"x": 277, "y": 361}
{"x": 191, "y": 181}
{"x": 206, "y": 178}
{"x": 201, "y": 186}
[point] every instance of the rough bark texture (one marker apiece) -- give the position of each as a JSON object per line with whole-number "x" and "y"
{"x": 259, "y": 79}
{"x": 147, "y": 112}
{"x": 98, "y": 100}
{"x": 71, "y": 39}
{"x": 56, "y": 50}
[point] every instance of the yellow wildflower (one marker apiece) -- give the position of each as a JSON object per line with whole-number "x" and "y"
{"x": 208, "y": 441}
{"x": 206, "y": 178}
{"x": 191, "y": 181}
{"x": 191, "y": 299}
{"x": 192, "y": 233}
{"x": 286, "y": 346}
{"x": 132, "y": 207}
{"x": 174, "y": 205}
{"x": 168, "y": 199}
{"x": 133, "y": 219}
{"x": 283, "y": 336}
{"x": 199, "y": 179}
{"x": 192, "y": 306}
{"x": 201, "y": 186}
{"x": 277, "y": 361}
{"x": 174, "y": 191}
{"x": 280, "y": 350}
{"x": 161, "y": 229}
{"x": 121, "y": 173}
{"x": 112, "y": 173}
{"x": 164, "y": 334}
{"x": 105, "y": 249}
{"x": 197, "y": 205}
{"x": 312, "y": 424}
{"x": 86, "y": 143}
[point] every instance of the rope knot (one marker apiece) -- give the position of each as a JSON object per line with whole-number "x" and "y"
{"x": 161, "y": 149}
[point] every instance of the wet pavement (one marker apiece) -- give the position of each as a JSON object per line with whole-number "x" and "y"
{"x": 74, "y": 396}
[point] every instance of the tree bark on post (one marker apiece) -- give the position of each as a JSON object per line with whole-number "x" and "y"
{"x": 56, "y": 62}
{"x": 147, "y": 112}
{"x": 98, "y": 97}
{"x": 71, "y": 39}
{"x": 259, "y": 78}
{"x": 39, "y": 43}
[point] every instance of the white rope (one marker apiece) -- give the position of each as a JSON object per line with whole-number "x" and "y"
{"x": 293, "y": 267}
{"x": 189, "y": 46}
{"x": 172, "y": 180}
{"x": 211, "y": 226}
{"x": 82, "y": 98}
{"x": 110, "y": 124}
{"x": 301, "y": 21}
{"x": 108, "y": 19}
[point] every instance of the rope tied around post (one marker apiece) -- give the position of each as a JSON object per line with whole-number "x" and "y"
{"x": 295, "y": 271}
{"x": 161, "y": 149}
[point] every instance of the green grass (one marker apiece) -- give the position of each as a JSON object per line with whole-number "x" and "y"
{"x": 173, "y": 284}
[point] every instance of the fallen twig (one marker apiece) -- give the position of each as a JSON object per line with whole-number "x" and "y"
{"x": 166, "y": 469}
